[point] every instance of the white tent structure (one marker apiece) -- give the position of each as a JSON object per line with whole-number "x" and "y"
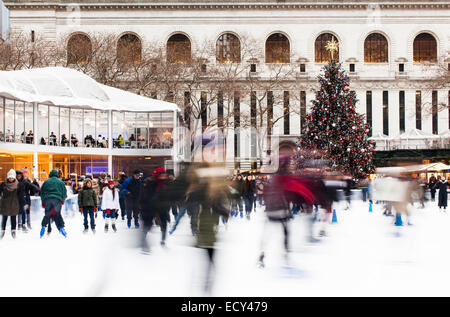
{"x": 445, "y": 139}
{"x": 63, "y": 102}
{"x": 381, "y": 139}
{"x": 61, "y": 86}
{"x": 416, "y": 139}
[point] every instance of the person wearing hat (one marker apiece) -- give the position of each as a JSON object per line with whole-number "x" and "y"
{"x": 131, "y": 188}
{"x": 53, "y": 195}
{"x": 110, "y": 205}
{"x": 26, "y": 188}
{"x": 88, "y": 203}
{"x": 10, "y": 202}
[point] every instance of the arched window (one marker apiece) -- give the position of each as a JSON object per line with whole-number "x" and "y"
{"x": 376, "y": 49}
{"x": 277, "y": 49}
{"x": 322, "y": 52}
{"x": 228, "y": 49}
{"x": 179, "y": 49}
{"x": 79, "y": 49}
{"x": 129, "y": 49}
{"x": 425, "y": 48}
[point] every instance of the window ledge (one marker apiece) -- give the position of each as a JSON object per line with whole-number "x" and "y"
{"x": 377, "y": 64}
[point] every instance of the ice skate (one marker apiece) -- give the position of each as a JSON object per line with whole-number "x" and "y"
{"x": 106, "y": 228}
{"x": 145, "y": 250}
{"x": 2, "y": 234}
{"x": 29, "y": 226}
{"x": 41, "y": 234}
{"x": 261, "y": 261}
{"x": 114, "y": 228}
{"x": 93, "y": 230}
{"x": 313, "y": 240}
{"x": 63, "y": 232}
{"x": 85, "y": 230}
{"x": 13, "y": 233}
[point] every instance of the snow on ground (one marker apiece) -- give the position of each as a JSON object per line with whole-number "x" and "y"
{"x": 364, "y": 254}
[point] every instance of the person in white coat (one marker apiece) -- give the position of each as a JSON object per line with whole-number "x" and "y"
{"x": 110, "y": 205}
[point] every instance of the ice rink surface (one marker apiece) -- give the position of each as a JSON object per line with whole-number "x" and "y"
{"x": 363, "y": 254}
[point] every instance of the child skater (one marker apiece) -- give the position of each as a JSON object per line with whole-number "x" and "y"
{"x": 110, "y": 205}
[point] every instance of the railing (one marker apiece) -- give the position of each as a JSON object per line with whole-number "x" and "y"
{"x": 390, "y": 146}
{"x": 142, "y": 144}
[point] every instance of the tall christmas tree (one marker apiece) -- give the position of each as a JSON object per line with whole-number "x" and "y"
{"x": 334, "y": 128}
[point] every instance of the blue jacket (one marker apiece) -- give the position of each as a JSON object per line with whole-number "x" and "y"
{"x": 132, "y": 186}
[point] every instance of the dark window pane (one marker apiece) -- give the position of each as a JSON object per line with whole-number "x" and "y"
{"x": 375, "y": 49}
{"x": 178, "y": 49}
{"x": 277, "y": 49}
{"x": 228, "y": 49}
{"x": 322, "y": 55}
{"x": 425, "y": 48}
{"x": 79, "y": 49}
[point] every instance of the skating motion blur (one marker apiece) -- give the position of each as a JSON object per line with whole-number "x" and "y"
{"x": 218, "y": 213}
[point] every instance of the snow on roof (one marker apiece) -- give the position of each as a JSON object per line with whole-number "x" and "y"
{"x": 67, "y": 87}
{"x": 380, "y": 136}
{"x": 445, "y": 134}
{"x": 417, "y": 134}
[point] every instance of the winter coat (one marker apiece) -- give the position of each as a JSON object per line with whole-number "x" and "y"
{"x": 212, "y": 195}
{"x": 442, "y": 196}
{"x": 131, "y": 188}
{"x": 259, "y": 187}
{"x": 9, "y": 204}
{"x": 432, "y": 183}
{"x": 249, "y": 189}
{"x": 53, "y": 188}
{"x": 87, "y": 197}
{"x": 108, "y": 201}
{"x": 277, "y": 205}
{"x": 36, "y": 189}
{"x": 26, "y": 188}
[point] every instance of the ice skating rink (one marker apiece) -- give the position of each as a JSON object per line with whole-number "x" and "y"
{"x": 364, "y": 254}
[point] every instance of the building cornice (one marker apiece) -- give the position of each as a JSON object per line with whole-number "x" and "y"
{"x": 227, "y": 6}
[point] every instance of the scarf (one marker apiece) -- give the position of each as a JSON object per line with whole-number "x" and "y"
{"x": 11, "y": 186}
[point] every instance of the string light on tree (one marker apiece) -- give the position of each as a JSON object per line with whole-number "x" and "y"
{"x": 334, "y": 128}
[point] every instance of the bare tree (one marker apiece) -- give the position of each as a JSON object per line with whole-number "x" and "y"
{"x": 23, "y": 51}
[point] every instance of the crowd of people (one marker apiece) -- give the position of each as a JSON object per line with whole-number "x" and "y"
{"x": 208, "y": 195}
{"x": 90, "y": 141}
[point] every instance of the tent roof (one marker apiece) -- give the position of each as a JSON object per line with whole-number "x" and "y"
{"x": 380, "y": 136}
{"x": 437, "y": 167}
{"x": 67, "y": 87}
{"x": 417, "y": 134}
{"x": 445, "y": 134}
